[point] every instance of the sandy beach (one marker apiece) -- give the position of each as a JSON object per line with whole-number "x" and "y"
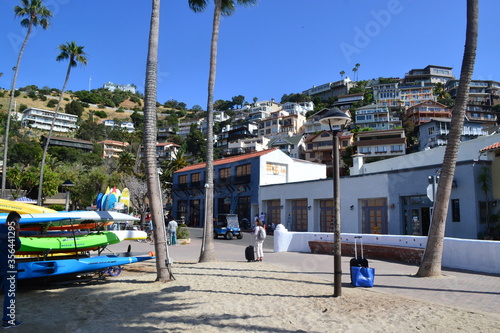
{"x": 233, "y": 296}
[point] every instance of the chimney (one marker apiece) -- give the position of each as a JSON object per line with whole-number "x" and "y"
{"x": 357, "y": 165}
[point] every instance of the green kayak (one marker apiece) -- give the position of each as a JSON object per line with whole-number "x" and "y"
{"x": 87, "y": 242}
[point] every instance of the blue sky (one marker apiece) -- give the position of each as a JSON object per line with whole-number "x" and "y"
{"x": 276, "y": 47}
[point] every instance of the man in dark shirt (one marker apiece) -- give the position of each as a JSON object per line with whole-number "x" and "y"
{"x": 9, "y": 243}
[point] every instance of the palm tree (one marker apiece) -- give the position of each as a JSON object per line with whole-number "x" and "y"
{"x": 354, "y": 70}
{"x": 76, "y": 56}
{"x": 357, "y": 69}
{"x": 431, "y": 262}
{"x": 226, "y": 8}
{"x": 342, "y": 73}
{"x": 163, "y": 271}
{"x": 34, "y": 14}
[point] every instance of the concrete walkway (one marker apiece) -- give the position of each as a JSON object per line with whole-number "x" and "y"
{"x": 466, "y": 290}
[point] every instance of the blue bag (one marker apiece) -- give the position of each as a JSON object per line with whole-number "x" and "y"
{"x": 362, "y": 276}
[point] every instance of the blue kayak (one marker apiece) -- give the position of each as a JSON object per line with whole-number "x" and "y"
{"x": 39, "y": 269}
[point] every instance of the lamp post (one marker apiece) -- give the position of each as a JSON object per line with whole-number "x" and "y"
{"x": 335, "y": 117}
{"x": 66, "y": 185}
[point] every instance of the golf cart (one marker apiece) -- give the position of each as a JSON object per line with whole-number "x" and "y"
{"x": 227, "y": 225}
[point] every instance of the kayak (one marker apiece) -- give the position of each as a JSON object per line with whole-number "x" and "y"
{"x": 88, "y": 242}
{"x": 130, "y": 234}
{"x": 69, "y": 220}
{"x": 40, "y": 269}
{"x": 8, "y": 206}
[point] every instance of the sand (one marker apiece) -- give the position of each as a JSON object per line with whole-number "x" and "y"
{"x": 232, "y": 297}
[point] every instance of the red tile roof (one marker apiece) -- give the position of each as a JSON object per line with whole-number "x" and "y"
{"x": 495, "y": 146}
{"x": 167, "y": 144}
{"x": 227, "y": 160}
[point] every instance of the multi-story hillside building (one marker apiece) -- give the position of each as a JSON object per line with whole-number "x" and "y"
{"x": 84, "y": 145}
{"x": 164, "y": 133}
{"x": 126, "y": 125}
{"x": 331, "y": 89}
{"x": 387, "y": 94}
{"x": 293, "y": 146}
{"x": 232, "y": 134}
{"x": 245, "y": 146}
{"x": 165, "y": 151}
{"x": 261, "y": 110}
{"x": 302, "y": 108}
{"x": 42, "y": 119}
{"x": 185, "y": 126}
{"x": 483, "y": 95}
{"x": 281, "y": 123}
{"x": 319, "y": 147}
{"x": 112, "y": 148}
{"x": 123, "y": 87}
{"x": 346, "y": 102}
{"x": 425, "y": 111}
{"x": 312, "y": 124}
{"x": 399, "y": 96}
{"x": 376, "y": 117}
{"x": 429, "y": 75}
{"x": 434, "y": 133}
{"x": 388, "y": 143}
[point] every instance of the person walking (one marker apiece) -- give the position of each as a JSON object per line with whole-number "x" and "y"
{"x": 172, "y": 230}
{"x": 9, "y": 244}
{"x": 260, "y": 235}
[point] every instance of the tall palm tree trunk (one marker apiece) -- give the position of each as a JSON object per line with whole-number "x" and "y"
{"x": 431, "y": 263}
{"x": 208, "y": 247}
{"x": 9, "y": 112}
{"x": 46, "y": 147}
{"x": 163, "y": 272}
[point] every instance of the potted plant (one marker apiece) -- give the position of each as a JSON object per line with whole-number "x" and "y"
{"x": 183, "y": 235}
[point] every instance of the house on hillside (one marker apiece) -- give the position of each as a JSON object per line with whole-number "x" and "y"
{"x": 83, "y": 145}
{"x": 293, "y": 146}
{"x": 42, "y": 119}
{"x": 112, "y": 148}
{"x": 318, "y": 147}
{"x": 423, "y": 112}
{"x": 435, "y": 132}
{"x": 237, "y": 180}
{"x": 383, "y": 143}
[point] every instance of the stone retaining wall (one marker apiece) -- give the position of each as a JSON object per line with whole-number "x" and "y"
{"x": 372, "y": 251}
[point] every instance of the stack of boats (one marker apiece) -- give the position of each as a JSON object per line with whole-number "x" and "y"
{"x": 57, "y": 243}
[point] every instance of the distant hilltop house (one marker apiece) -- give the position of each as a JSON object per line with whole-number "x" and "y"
{"x": 123, "y": 87}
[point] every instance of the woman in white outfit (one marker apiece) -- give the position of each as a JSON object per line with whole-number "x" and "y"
{"x": 259, "y": 241}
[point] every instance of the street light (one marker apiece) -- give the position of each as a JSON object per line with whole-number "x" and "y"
{"x": 335, "y": 117}
{"x": 66, "y": 185}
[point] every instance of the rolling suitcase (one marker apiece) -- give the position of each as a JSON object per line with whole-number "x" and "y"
{"x": 250, "y": 253}
{"x": 361, "y": 274}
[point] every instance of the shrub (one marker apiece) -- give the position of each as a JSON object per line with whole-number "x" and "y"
{"x": 101, "y": 114}
{"x": 57, "y": 207}
{"x": 183, "y": 232}
{"x": 52, "y": 103}
{"x": 22, "y": 107}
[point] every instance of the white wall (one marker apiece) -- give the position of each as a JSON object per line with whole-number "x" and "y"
{"x": 473, "y": 255}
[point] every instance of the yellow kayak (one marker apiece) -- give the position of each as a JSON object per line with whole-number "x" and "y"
{"x": 7, "y": 206}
